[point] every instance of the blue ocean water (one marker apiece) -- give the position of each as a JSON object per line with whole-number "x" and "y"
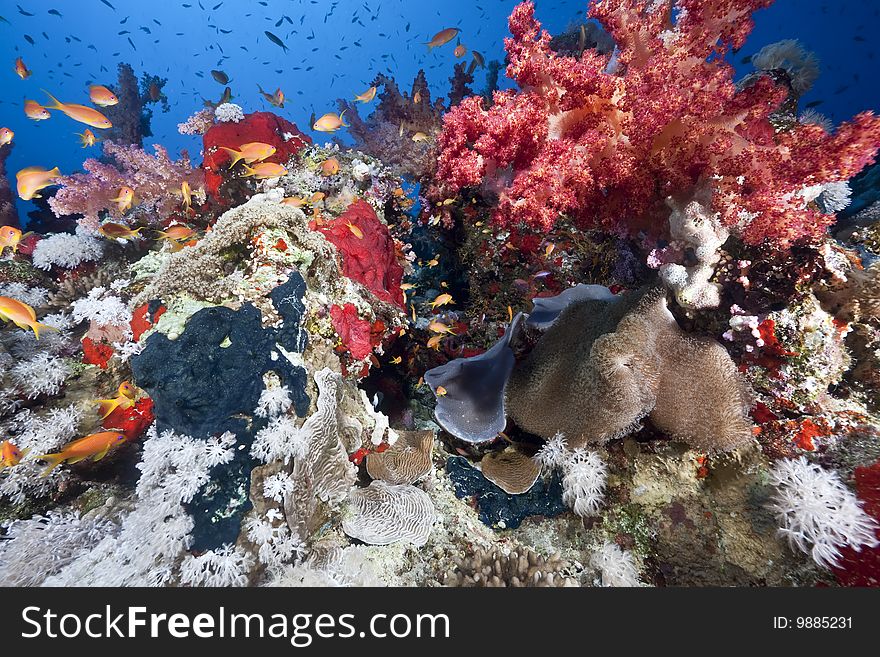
{"x": 334, "y": 49}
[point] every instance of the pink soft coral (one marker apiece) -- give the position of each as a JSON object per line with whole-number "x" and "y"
{"x": 606, "y": 140}
{"x": 155, "y": 179}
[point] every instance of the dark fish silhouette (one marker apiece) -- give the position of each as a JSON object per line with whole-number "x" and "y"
{"x": 29, "y": 39}
{"x": 109, "y": 5}
{"x": 22, "y": 11}
{"x": 274, "y": 39}
{"x": 815, "y": 103}
{"x": 55, "y": 12}
{"x": 220, "y": 76}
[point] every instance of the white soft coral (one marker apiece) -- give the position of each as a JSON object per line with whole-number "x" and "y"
{"x": 817, "y": 512}
{"x": 583, "y": 482}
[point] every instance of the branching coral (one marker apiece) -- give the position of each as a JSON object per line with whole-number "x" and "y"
{"x": 154, "y": 179}
{"x": 388, "y": 132}
{"x": 606, "y": 140}
{"x": 37, "y": 548}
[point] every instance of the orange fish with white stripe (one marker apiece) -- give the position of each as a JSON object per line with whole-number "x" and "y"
{"x": 124, "y": 199}
{"x": 33, "y": 110}
{"x": 263, "y": 170}
{"x": 94, "y": 446}
{"x": 442, "y": 37}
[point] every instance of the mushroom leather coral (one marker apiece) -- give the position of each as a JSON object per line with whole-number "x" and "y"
{"x": 605, "y": 364}
{"x": 606, "y": 139}
{"x": 368, "y": 255}
{"x": 259, "y": 126}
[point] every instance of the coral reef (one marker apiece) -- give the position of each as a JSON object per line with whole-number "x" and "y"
{"x": 585, "y": 328}
{"x": 660, "y": 115}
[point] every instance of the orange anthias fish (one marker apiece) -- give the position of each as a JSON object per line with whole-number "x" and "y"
{"x": 10, "y": 236}
{"x": 357, "y": 232}
{"x": 295, "y": 201}
{"x": 102, "y": 96}
{"x": 442, "y": 300}
{"x": 22, "y": 315}
{"x": 10, "y": 455}
{"x": 263, "y": 170}
{"x": 367, "y": 96}
{"x": 88, "y": 115}
{"x": 276, "y": 99}
{"x": 330, "y": 122}
{"x": 440, "y": 327}
{"x": 176, "y": 233}
{"x": 31, "y": 180}
{"x": 96, "y": 445}
{"x": 21, "y": 70}
{"x": 124, "y": 199}
{"x": 420, "y": 136}
{"x": 443, "y": 37}
{"x": 6, "y": 136}
{"x": 186, "y": 194}
{"x": 87, "y": 138}
{"x": 460, "y": 50}
{"x": 118, "y": 232}
{"x": 124, "y": 399}
{"x": 434, "y": 342}
{"x": 33, "y": 110}
{"x": 330, "y": 167}
{"x": 255, "y": 151}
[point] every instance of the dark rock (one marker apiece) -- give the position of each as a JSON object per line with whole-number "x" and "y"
{"x": 495, "y": 506}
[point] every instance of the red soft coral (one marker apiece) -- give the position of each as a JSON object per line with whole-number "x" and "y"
{"x": 131, "y": 421}
{"x": 264, "y": 127}
{"x": 368, "y": 251}
{"x": 607, "y": 140}
{"x": 96, "y": 353}
{"x": 355, "y": 333}
{"x": 862, "y": 567}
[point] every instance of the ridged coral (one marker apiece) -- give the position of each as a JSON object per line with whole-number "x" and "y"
{"x": 381, "y": 514}
{"x": 405, "y": 462}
